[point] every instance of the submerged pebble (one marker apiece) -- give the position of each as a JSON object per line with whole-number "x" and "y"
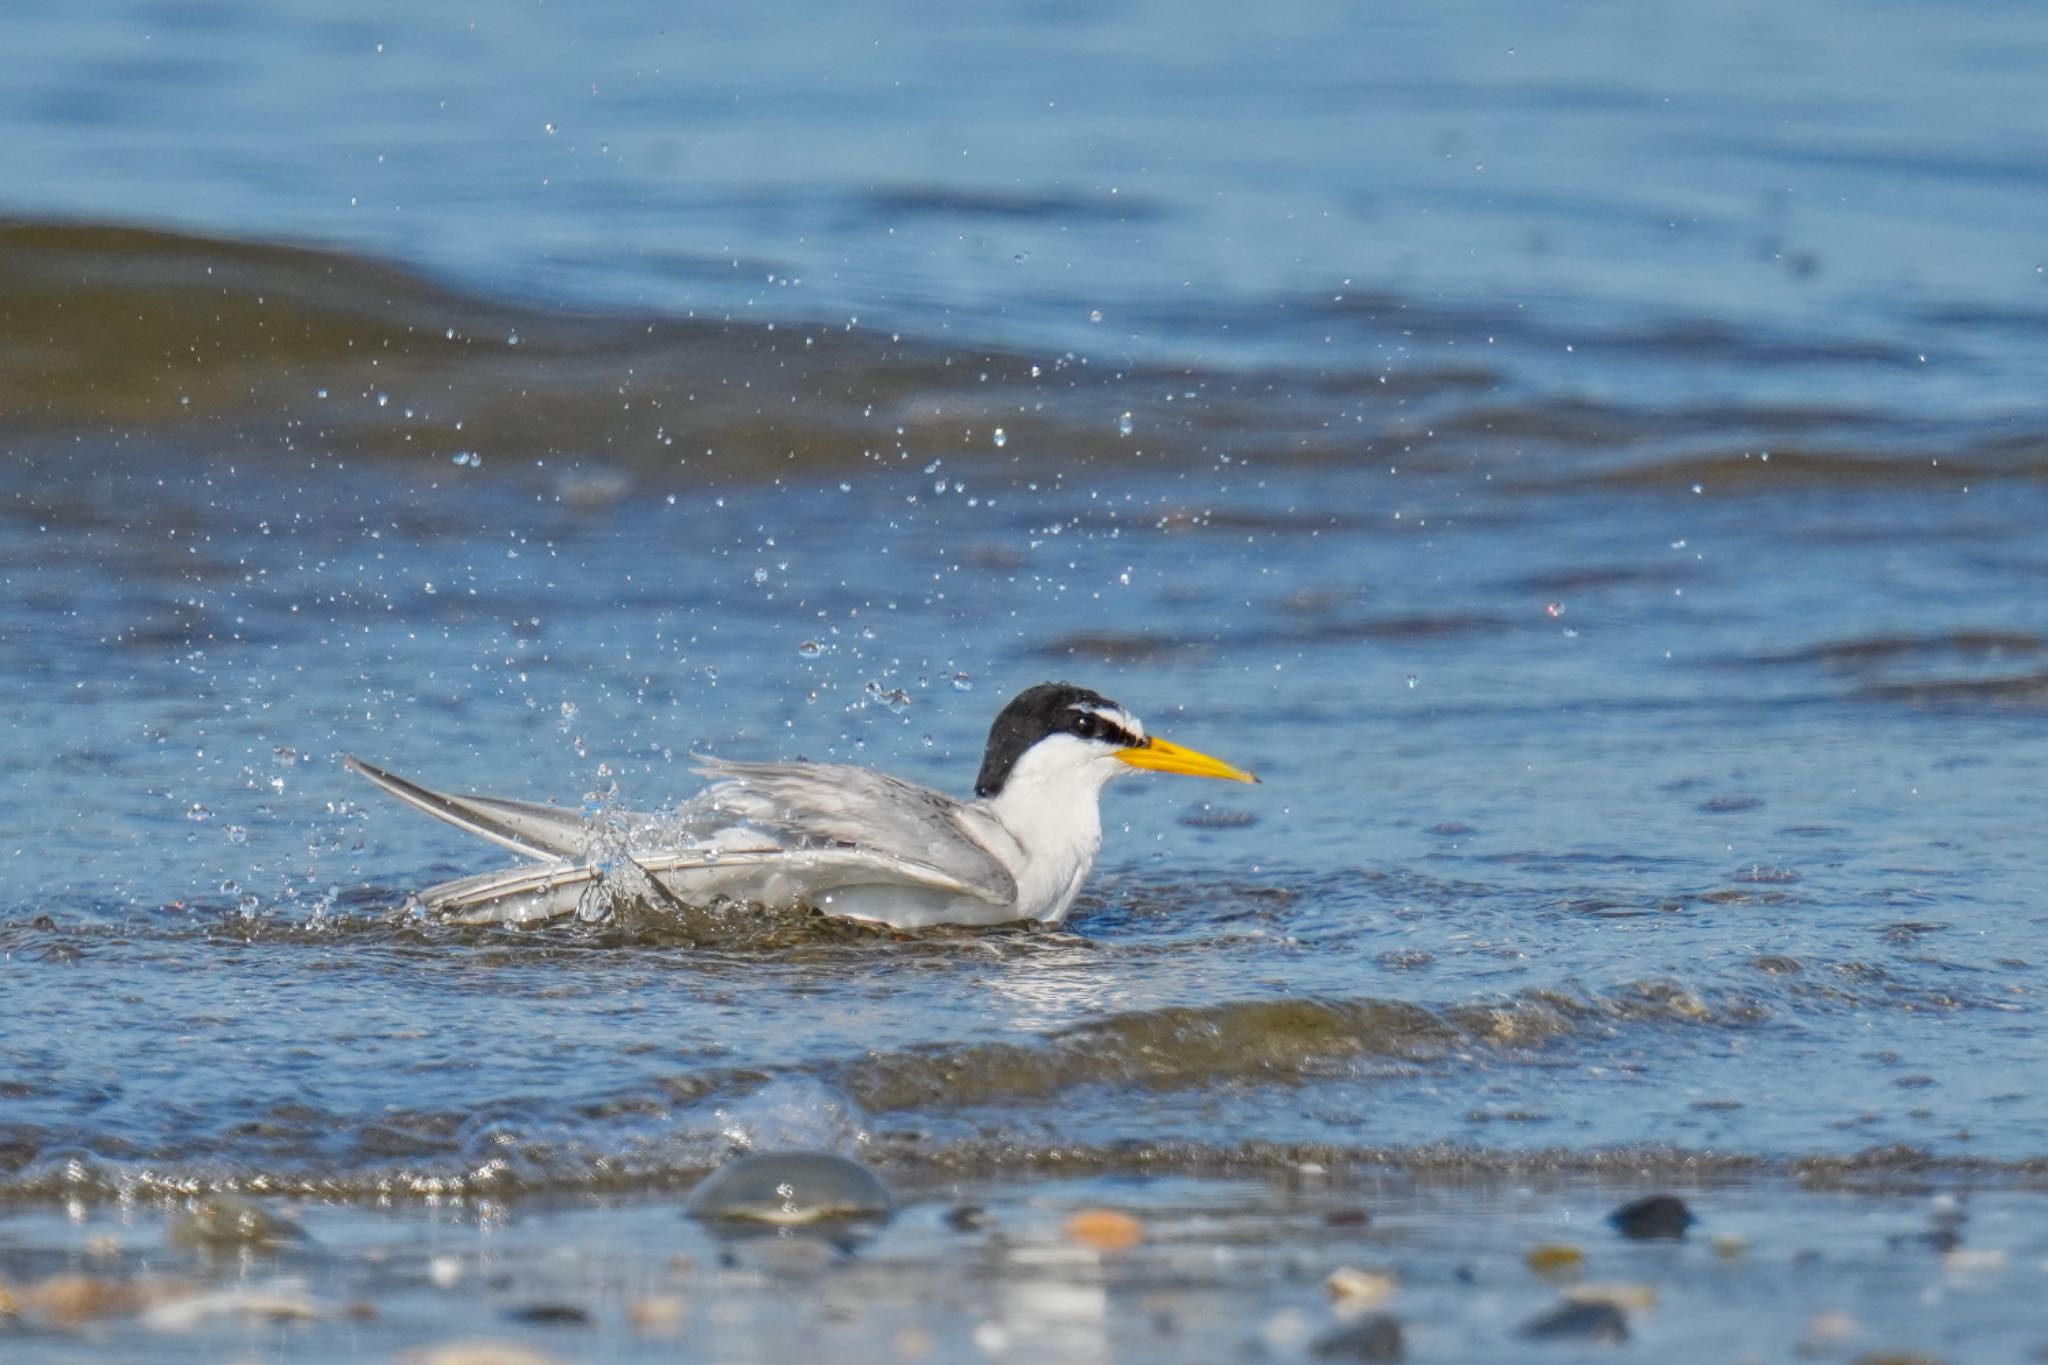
{"x": 1355, "y": 1290}
{"x": 1630, "y": 1298}
{"x": 482, "y": 1352}
{"x": 1554, "y": 1260}
{"x": 284, "y": 1301}
{"x": 1105, "y": 1230}
{"x": 660, "y": 1315}
{"x": 1653, "y": 1218}
{"x": 551, "y": 1315}
{"x": 790, "y": 1188}
{"x": 71, "y": 1299}
{"x": 228, "y": 1222}
{"x": 1375, "y": 1337}
{"x": 1574, "y": 1321}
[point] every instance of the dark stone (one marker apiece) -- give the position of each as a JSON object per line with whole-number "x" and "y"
{"x": 1653, "y": 1218}
{"x": 551, "y": 1315}
{"x": 1376, "y": 1336}
{"x": 1569, "y": 1321}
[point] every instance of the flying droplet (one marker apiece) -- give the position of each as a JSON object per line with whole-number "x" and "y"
{"x": 810, "y": 649}
{"x": 1001, "y": 438}
{"x": 963, "y": 682}
{"x": 1124, "y": 424}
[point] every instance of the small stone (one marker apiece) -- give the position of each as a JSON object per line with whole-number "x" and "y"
{"x": 1376, "y": 1336}
{"x": 1347, "y": 1218}
{"x": 71, "y": 1299}
{"x": 1555, "y": 1261}
{"x": 967, "y": 1218}
{"x": 1630, "y": 1298}
{"x": 1569, "y": 1321}
{"x": 1966, "y": 1261}
{"x": 1831, "y": 1327}
{"x": 1284, "y": 1329}
{"x": 281, "y": 1302}
{"x": 1357, "y": 1290}
{"x": 475, "y": 1353}
{"x": 550, "y": 1315}
{"x": 659, "y": 1315}
{"x": 1105, "y": 1230}
{"x": 1653, "y": 1218}
{"x": 791, "y": 1188}
{"x": 1730, "y": 1248}
{"x": 230, "y": 1223}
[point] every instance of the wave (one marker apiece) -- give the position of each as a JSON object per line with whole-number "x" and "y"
{"x": 176, "y": 342}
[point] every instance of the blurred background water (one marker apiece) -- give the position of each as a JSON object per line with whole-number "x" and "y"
{"x": 1589, "y": 460}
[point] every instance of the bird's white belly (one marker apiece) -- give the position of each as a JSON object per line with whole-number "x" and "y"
{"x": 909, "y": 907}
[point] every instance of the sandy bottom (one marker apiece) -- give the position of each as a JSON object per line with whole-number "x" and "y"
{"x": 1312, "y": 1266}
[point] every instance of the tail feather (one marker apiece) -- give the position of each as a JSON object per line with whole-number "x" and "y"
{"x": 525, "y": 827}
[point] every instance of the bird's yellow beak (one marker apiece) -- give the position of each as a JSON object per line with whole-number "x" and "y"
{"x": 1161, "y": 757}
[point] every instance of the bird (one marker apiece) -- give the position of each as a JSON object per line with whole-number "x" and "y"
{"x": 846, "y": 841}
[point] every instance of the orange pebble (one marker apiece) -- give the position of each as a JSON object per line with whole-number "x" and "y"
{"x": 1105, "y": 1230}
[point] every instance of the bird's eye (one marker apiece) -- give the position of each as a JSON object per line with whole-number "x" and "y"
{"x": 1086, "y": 726}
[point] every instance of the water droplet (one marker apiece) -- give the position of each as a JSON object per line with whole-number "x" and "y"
{"x": 709, "y": 853}
{"x": 198, "y": 814}
{"x": 512, "y": 339}
{"x": 1554, "y": 609}
{"x": 963, "y": 682}
{"x": 1001, "y": 438}
{"x": 1094, "y": 315}
{"x": 810, "y": 649}
{"x": 1699, "y": 488}
{"x": 1124, "y": 424}
{"x": 237, "y": 835}
{"x": 319, "y": 393}
{"x": 383, "y": 399}
{"x": 760, "y": 575}
{"x": 1411, "y": 680}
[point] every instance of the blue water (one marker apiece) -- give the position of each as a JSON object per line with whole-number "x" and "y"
{"x": 1590, "y": 463}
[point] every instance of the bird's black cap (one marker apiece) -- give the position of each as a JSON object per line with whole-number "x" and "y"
{"x": 1034, "y": 713}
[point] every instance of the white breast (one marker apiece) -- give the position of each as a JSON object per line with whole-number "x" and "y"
{"x": 1046, "y": 823}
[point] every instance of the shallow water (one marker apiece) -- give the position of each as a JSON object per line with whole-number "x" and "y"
{"x": 1595, "y": 477}
{"x": 1225, "y": 1269}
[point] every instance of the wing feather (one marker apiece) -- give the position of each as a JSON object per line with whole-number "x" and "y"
{"x": 774, "y": 876}
{"x": 839, "y": 803}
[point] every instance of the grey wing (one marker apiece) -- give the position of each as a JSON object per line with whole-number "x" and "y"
{"x": 528, "y": 827}
{"x": 834, "y": 803}
{"x": 769, "y": 876}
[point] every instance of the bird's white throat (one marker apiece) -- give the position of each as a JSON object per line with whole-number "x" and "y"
{"x": 1051, "y": 808}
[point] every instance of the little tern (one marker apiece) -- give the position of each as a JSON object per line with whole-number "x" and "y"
{"x": 843, "y": 840}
